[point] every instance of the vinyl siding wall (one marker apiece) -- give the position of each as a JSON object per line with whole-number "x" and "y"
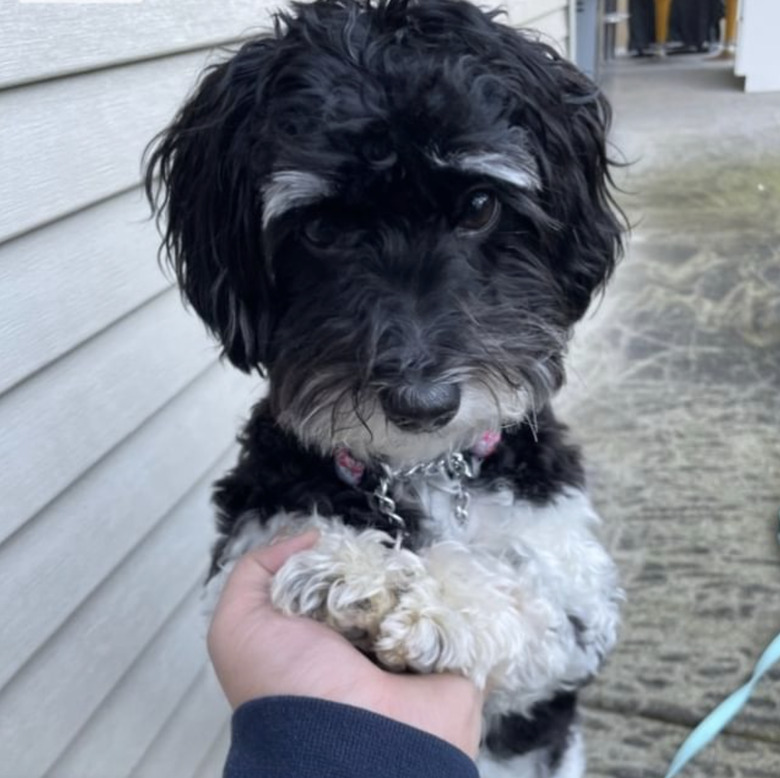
{"x": 115, "y": 414}
{"x": 550, "y": 18}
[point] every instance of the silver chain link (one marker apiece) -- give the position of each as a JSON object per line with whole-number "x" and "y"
{"x": 453, "y": 465}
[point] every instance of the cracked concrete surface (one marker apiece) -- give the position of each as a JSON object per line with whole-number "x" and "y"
{"x": 674, "y": 393}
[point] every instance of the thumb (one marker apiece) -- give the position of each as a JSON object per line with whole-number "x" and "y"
{"x": 271, "y": 558}
{"x": 248, "y": 585}
{"x": 256, "y": 568}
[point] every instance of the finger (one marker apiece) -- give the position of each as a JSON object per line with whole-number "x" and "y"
{"x": 249, "y": 584}
{"x": 246, "y": 594}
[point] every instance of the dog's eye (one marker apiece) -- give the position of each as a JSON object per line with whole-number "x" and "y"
{"x": 379, "y": 152}
{"x": 479, "y": 212}
{"x": 320, "y": 234}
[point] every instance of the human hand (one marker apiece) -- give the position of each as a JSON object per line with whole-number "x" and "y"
{"x": 259, "y": 652}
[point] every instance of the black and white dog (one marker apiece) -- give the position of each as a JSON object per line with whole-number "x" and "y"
{"x": 398, "y": 209}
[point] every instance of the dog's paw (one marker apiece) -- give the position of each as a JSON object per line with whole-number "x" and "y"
{"x": 349, "y": 580}
{"x": 425, "y": 636}
{"x": 458, "y": 618}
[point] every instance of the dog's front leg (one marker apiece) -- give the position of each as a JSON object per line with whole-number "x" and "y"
{"x": 529, "y": 606}
{"x": 461, "y": 616}
{"x": 556, "y": 546}
{"x": 442, "y": 610}
{"x": 351, "y": 579}
{"x": 473, "y": 614}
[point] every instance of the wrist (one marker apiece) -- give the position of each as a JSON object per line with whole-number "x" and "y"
{"x": 446, "y": 706}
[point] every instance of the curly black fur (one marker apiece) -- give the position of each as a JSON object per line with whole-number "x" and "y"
{"x": 548, "y": 727}
{"x": 363, "y": 94}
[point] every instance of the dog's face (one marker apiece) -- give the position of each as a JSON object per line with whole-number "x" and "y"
{"x": 399, "y": 210}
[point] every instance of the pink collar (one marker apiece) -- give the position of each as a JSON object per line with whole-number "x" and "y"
{"x": 351, "y": 470}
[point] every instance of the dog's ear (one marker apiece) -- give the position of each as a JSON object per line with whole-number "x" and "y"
{"x": 582, "y": 202}
{"x": 200, "y": 182}
{"x": 567, "y": 118}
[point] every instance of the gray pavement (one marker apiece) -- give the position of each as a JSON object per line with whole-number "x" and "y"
{"x": 674, "y": 393}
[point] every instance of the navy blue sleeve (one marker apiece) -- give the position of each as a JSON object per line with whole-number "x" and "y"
{"x": 303, "y": 737}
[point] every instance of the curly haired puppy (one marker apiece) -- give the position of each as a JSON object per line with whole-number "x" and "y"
{"x": 397, "y": 210}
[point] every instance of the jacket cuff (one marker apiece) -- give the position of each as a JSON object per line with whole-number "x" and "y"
{"x": 304, "y": 737}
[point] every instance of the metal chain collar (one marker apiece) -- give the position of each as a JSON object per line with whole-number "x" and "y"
{"x": 455, "y": 466}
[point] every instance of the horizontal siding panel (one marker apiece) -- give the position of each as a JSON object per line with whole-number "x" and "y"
{"x": 528, "y": 12}
{"x": 213, "y": 763}
{"x": 91, "y": 35}
{"x": 66, "y": 417}
{"x": 183, "y": 744}
{"x": 68, "y": 143}
{"x": 86, "y": 532}
{"x": 125, "y": 725}
{"x": 58, "y": 691}
{"x": 78, "y": 276}
{"x": 94, "y": 36}
{"x": 553, "y": 29}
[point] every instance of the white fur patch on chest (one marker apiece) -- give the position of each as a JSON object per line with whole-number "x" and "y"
{"x": 495, "y": 515}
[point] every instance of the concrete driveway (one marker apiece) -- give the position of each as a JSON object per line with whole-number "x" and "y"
{"x": 674, "y": 393}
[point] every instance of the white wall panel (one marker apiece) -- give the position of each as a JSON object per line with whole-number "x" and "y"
{"x": 175, "y": 752}
{"x": 65, "y": 418}
{"x": 527, "y": 12}
{"x": 95, "y": 35}
{"x": 553, "y": 29}
{"x": 548, "y": 17}
{"x": 758, "y": 55}
{"x": 67, "y": 550}
{"x": 127, "y": 723}
{"x": 65, "y": 681}
{"x": 213, "y": 763}
{"x": 65, "y": 144}
{"x": 62, "y": 284}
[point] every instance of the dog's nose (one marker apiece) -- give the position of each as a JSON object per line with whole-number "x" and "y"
{"x": 421, "y": 406}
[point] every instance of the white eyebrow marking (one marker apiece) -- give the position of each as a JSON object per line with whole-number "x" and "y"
{"x": 510, "y": 162}
{"x": 496, "y": 165}
{"x": 288, "y": 189}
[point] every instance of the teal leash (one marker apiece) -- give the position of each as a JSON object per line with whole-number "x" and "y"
{"x": 718, "y": 719}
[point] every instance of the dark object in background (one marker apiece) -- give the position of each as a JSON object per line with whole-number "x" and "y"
{"x": 641, "y": 26}
{"x": 693, "y": 25}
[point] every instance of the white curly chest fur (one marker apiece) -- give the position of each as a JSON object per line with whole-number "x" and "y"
{"x": 522, "y": 598}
